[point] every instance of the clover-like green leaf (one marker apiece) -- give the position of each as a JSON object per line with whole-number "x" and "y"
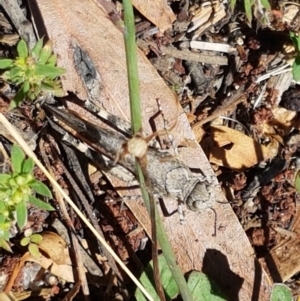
{"x": 36, "y": 238}
{"x": 28, "y": 165}
{"x": 40, "y": 188}
{"x": 34, "y": 250}
{"x": 17, "y": 158}
{"x": 25, "y": 241}
{"x": 40, "y": 204}
{"x": 21, "y": 213}
{"x": 22, "y": 49}
{"x": 36, "y": 50}
{"x": 6, "y": 63}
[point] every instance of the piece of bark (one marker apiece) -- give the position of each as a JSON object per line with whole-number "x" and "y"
{"x": 228, "y": 257}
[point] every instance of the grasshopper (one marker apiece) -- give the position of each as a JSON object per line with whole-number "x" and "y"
{"x": 168, "y": 175}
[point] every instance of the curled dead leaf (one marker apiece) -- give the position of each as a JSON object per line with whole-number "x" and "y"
{"x": 235, "y": 150}
{"x": 55, "y": 247}
{"x": 63, "y": 271}
{"x": 158, "y": 12}
{"x": 284, "y": 120}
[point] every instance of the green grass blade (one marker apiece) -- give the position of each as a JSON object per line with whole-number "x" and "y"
{"x": 136, "y": 120}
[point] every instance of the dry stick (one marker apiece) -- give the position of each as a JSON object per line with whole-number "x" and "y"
{"x": 17, "y": 17}
{"x": 80, "y": 268}
{"x": 15, "y": 272}
{"x": 78, "y": 256}
{"x": 229, "y": 105}
{"x": 31, "y": 154}
{"x": 59, "y": 198}
{"x": 89, "y": 212}
{"x": 186, "y": 54}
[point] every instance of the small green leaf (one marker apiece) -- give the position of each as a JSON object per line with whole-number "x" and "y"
{"x": 13, "y": 75}
{"x": 53, "y": 88}
{"x": 28, "y": 165}
{"x": 40, "y": 204}
{"x": 203, "y": 289}
{"x": 40, "y": 188}
{"x": 266, "y": 4}
{"x": 167, "y": 281}
{"x": 5, "y": 63}
{"x": 26, "y": 87}
{"x": 16, "y": 73}
{"x": 296, "y": 69}
{"x": 5, "y": 233}
{"x": 17, "y": 158}
{"x": 36, "y": 238}
{"x": 34, "y": 250}
{"x": 25, "y": 241}
{"x": 5, "y": 245}
{"x": 22, "y": 49}
{"x": 248, "y": 10}
{"x": 232, "y": 4}
{"x": 2, "y": 220}
{"x": 52, "y": 60}
{"x": 2, "y": 208}
{"x": 296, "y": 40}
{"x": 49, "y": 71}
{"x": 4, "y": 178}
{"x": 37, "y": 48}
{"x": 21, "y": 211}
{"x": 45, "y": 53}
{"x": 59, "y": 92}
{"x": 13, "y": 104}
{"x": 20, "y": 96}
{"x": 281, "y": 292}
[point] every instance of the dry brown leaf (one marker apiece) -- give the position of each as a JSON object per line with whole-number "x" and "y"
{"x": 156, "y": 11}
{"x": 284, "y": 120}
{"x": 235, "y": 150}
{"x": 75, "y": 22}
{"x": 55, "y": 247}
{"x": 63, "y": 271}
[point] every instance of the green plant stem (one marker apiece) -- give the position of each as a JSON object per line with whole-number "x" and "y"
{"x": 132, "y": 68}
{"x": 136, "y": 121}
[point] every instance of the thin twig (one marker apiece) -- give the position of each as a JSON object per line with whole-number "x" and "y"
{"x": 32, "y": 155}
